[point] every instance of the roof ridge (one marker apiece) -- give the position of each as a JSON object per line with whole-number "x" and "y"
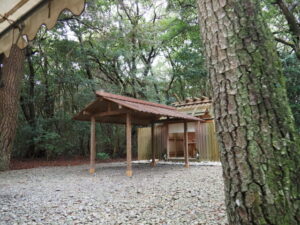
{"x": 155, "y": 110}
{"x": 135, "y": 100}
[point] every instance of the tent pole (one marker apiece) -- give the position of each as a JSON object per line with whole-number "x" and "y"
{"x": 153, "y": 163}
{"x": 128, "y": 144}
{"x": 93, "y": 145}
{"x": 186, "y": 148}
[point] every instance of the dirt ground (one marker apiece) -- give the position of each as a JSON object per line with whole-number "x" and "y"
{"x": 17, "y": 164}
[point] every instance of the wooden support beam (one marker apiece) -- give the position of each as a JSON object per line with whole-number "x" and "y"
{"x": 86, "y": 113}
{"x": 117, "y": 120}
{"x": 153, "y": 163}
{"x": 93, "y": 145}
{"x": 167, "y": 141}
{"x": 186, "y": 147}
{"x": 128, "y": 144}
{"x": 112, "y": 113}
{"x": 175, "y": 120}
{"x": 109, "y": 106}
{"x": 198, "y": 138}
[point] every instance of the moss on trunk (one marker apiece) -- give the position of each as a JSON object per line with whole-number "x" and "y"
{"x": 259, "y": 147}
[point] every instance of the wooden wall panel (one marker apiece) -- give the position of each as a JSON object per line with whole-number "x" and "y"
{"x": 144, "y": 143}
{"x": 214, "y": 146}
{"x": 206, "y": 142}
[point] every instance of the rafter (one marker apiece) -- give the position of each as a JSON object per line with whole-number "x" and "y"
{"x": 112, "y": 113}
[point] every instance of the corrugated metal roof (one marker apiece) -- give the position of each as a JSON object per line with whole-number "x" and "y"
{"x": 148, "y": 111}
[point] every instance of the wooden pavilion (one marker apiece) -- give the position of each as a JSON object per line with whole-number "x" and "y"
{"x": 111, "y": 108}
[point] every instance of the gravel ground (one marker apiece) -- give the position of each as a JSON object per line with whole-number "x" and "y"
{"x": 166, "y": 194}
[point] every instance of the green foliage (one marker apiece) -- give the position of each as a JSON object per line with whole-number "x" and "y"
{"x": 292, "y": 73}
{"x": 102, "y": 156}
{"x": 50, "y": 142}
{"x": 145, "y": 49}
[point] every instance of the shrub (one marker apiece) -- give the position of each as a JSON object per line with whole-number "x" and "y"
{"x": 102, "y": 155}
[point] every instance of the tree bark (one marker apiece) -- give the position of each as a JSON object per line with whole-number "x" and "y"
{"x": 259, "y": 147}
{"x": 12, "y": 72}
{"x": 27, "y": 104}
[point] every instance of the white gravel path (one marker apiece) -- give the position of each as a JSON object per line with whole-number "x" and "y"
{"x": 166, "y": 194}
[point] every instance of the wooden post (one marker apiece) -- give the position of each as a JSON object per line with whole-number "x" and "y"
{"x": 185, "y": 147}
{"x": 93, "y": 145}
{"x": 153, "y": 163}
{"x": 128, "y": 144}
{"x": 198, "y": 140}
{"x": 167, "y": 143}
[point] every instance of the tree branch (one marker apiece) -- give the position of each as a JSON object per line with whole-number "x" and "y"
{"x": 285, "y": 42}
{"x": 291, "y": 19}
{"x": 294, "y": 5}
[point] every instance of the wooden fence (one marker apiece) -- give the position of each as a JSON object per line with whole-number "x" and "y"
{"x": 206, "y": 142}
{"x": 144, "y": 142}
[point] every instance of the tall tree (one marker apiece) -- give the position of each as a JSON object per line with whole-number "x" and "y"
{"x": 259, "y": 149}
{"x": 290, "y": 10}
{"x": 11, "y": 70}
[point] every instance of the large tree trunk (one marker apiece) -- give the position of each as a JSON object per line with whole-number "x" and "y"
{"x": 259, "y": 153}
{"x": 11, "y": 76}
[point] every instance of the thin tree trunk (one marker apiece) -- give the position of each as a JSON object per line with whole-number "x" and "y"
{"x": 255, "y": 126}
{"x": 12, "y": 72}
{"x": 27, "y": 104}
{"x": 48, "y": 109}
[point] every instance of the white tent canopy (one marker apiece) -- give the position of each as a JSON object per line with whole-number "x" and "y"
{"x": 20, "y": 20}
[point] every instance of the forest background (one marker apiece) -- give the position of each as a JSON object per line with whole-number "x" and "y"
{"x": 149, "y": 50}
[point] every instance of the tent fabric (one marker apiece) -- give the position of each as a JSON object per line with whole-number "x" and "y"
{"x": 20, "y": 20}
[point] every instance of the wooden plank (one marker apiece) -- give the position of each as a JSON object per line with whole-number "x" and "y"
{"x": 208, "y": 146}
{"x": 93, "y": 145}
{"x": 164, "y": 133}
{"x": 215, "y": 154}
{"x": 153, "y": 163}
{"x": 198, "y": 137}
{"x": 112, "y": 113}
{"x": 144, "y": 143}
{"x": 86, "y": 113}
{"x": 185, "y": 147}
{"x": 176, "y": 120}
{"x": 167, "y": 141}
{"x": 128, "y": 144}
{"x": 203, "y": 142}
{"x": 118, "y": 120}
{"x": 158, "y": 141}
{"x": 109, "y": 107}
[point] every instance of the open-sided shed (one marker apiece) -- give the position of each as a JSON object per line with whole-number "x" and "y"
{"x": 111, "y": 108}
